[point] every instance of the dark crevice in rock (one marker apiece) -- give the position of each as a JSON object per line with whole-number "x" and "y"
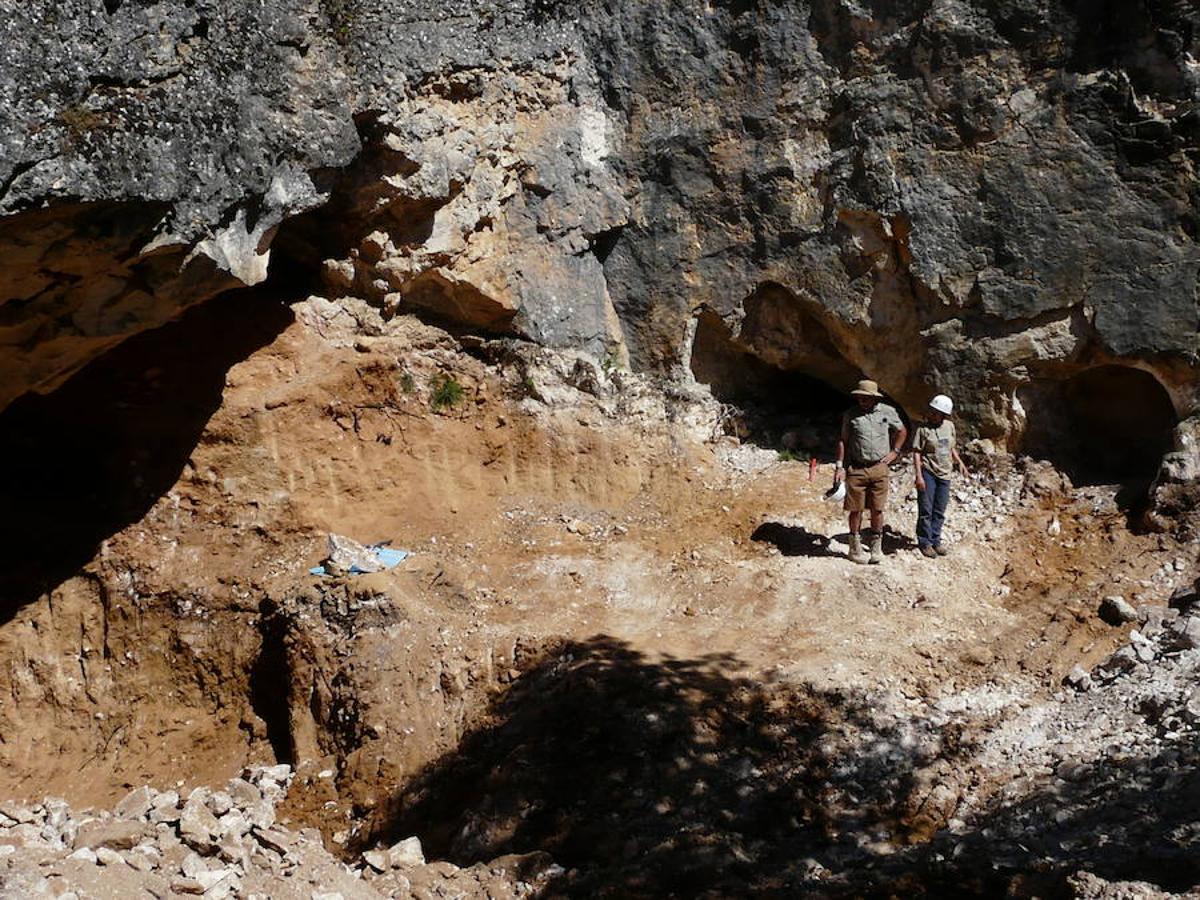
{"x": 271, "y": 685}
{"x": 113, "y": 81}
{"x": 605, "y": 242}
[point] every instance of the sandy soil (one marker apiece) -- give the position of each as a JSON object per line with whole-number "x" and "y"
{"x": 537, "y": 514}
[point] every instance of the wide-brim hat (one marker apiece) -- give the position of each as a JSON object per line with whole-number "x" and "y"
{"x": 866, "y": 388}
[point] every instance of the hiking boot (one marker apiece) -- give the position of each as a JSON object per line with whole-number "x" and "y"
{"x": 876, "y": 549}
{"x": 940, "y": 550}
{"x": 856, "y": 554}
{"x": 928, "y": 552}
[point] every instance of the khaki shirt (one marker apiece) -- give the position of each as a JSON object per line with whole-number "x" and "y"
{"x": 870, "y": 433}
{"x": 936, "y": 446}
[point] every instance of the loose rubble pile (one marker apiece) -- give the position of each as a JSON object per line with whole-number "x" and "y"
{"x": 223, "y": 843}
{"x": 1109, "y": 763}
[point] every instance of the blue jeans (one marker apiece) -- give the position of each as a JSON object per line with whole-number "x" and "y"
{"x": 931, "y": 509}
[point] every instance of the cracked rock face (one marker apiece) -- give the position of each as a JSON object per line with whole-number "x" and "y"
{"x": 967, "y": 195}
{"x": 147, "y": 151}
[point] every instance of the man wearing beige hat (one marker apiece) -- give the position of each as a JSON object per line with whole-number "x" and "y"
{"x": 873, "y": 434}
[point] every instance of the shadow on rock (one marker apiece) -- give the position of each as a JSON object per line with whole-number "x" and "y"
{"x": 1124, "y": 819}
{"x": 80, "y": 464}
{"x": 664, "y": 777}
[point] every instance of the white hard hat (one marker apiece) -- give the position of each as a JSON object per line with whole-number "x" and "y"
{"x": 942, "y": 404}
{"x": 837, "y": 492}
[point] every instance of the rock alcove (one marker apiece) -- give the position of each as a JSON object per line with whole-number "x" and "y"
{"x": 1109, "y": 424}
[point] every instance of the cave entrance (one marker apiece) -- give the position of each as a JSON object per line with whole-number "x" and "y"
{"x": 777, "y": 408}
{"x": 1107, "y": 425}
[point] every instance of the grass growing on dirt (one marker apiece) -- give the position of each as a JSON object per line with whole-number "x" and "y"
{"x": 341, "y": 17}
{"x": 792, "y": 456}
{"x": 407, "y": 383}
{"x": 447, "y": 393}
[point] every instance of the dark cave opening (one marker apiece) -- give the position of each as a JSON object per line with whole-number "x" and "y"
{"x": 1106, "y": 425}
{"x": 785, "y": 409}
{"x": 82, "y": 463}
{"x": 270, "y": 686}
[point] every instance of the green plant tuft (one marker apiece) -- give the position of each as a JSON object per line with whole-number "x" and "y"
{"x": 612, "y": 362}
{"x": 447, "y": 393}
{"x": 341, "y": 14}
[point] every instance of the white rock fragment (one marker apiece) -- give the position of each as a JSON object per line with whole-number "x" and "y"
{"x": 406, "y": 853}
{"x": 109, "y": 857}
{"x": 137, "y": 803}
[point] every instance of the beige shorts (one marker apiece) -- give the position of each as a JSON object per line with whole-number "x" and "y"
{"x": 866, "y": 488}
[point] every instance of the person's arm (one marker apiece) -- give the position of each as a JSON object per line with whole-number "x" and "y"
{"x": 962, "y": 466}
{"x": 918, "y": 470}
{"x": 839, "y": 471}
{"x": 897, "y": 444}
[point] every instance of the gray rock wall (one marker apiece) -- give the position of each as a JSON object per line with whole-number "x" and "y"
{"x": 961, "y": 195}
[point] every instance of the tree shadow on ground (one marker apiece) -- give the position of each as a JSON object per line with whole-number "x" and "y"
{"x": 682, "y": 778}
{"x": 649, "y": 778}
{"x": 795, "y": 540}
{"x": 81, "y": 463}
{"x": 1123, "y": 818}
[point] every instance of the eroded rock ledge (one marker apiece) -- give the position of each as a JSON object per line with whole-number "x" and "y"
{"x": 990, "y": 197}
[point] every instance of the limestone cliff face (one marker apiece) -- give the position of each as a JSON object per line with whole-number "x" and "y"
{"x": 983, "y": 196}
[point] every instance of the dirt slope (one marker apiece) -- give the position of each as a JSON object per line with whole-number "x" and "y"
{"x": 592, "y": 562}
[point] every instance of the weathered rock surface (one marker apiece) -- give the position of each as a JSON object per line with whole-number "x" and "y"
{"x": 983, "y": 196}
{"x": 147, "y": 153}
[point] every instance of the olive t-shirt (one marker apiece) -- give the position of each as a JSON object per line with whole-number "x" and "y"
{"x": 935, "y": 446}
{"x": 870, "y": 433}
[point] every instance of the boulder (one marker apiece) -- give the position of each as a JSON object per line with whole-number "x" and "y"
{"x": 346, "y": 556}
{"x": 406, "y": 853}
{"x": 1079, "y": 679}
{"x": 137, "y": 803}
{"x": 198, "y": 827}
{"x": 1117, "y": 611}
{"x": 113, "y": 834}
{"x": 1185, "y": 633}
{"x": 379, "y": 860}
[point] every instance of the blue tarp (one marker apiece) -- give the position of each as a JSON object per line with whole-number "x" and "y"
{"x": 388, "y": 557}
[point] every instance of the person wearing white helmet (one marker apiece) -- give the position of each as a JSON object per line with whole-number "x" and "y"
{"x": 935, "y": 455}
